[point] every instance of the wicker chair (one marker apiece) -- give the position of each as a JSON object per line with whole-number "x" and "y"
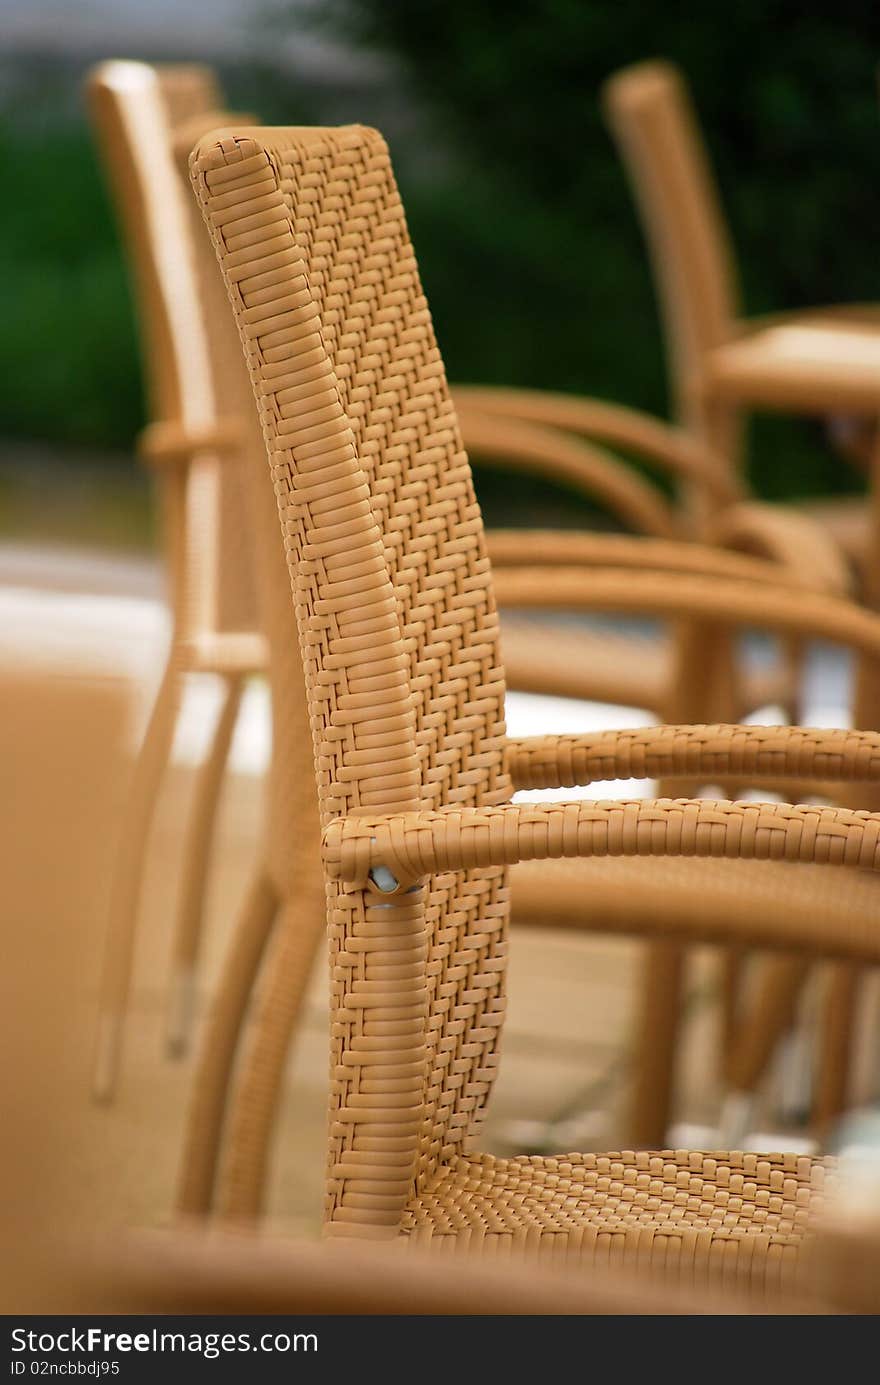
{"x": 398, "y": 630}
{"x": 140, "y": 111}
{"x": 819, "y": 361}
{"x": 213, "y": 606}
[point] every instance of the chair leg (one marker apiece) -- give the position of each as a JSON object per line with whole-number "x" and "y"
{"x": 191, "y": 909}
{"x": 797, "y": 1077}
{"x": 655, "y": 1045}
{"x": 704, "y": 687}
{"x": 793, "y": 653}
{"x": 733, "y": 965}
{"x": 255, "y": 1104}
{"x": 127, "y": 879}
{"x": 722, "y": 428}
{"x": 219, "y": 1045}
{"x": 752, "y": 1043}
{"x": 838, "y": 1025}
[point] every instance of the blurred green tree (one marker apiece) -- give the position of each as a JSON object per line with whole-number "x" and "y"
{"x": 526, "y": 234}
{"x": 68, "y": 357}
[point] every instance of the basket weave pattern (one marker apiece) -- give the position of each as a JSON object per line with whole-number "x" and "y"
{"x": 399, "y": 638}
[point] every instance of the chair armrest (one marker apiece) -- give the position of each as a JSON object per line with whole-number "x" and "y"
{"x": 570, "y": 460}
{"x": 362, "y": 851}
{"x": 772, "y": 532}
{"x": 231, "y": 1271}
{"x": 795, "y": 541}
{"x": 670, "y": 449}
{"x": 226, "y": 652}
{"x": 174, "y": 443}
{"x": 674, "y": 595}
{"x": 565, "y": 548}
{"x": 655, "y": 752}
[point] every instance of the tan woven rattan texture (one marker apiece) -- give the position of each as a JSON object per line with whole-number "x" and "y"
{"x": 406, "y": 690}
{"x": 399, "y": 639}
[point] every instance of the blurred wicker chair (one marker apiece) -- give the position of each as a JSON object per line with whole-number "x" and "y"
{"x": 194, "y": 1270}
{"x": 198, "y": 1271}
{"x": 188, "y": 445}
{"x": 821, "y": 361}
{"x": 398, "y": 631}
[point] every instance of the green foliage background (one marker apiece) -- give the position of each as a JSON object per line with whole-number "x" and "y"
{"x": 527, "y": 238}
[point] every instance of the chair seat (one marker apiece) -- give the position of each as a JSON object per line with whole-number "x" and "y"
{"x": 604, "y": 665}
{"x": 228, "y": 651}
{"x": 819, "y": 361}
{"x": 709, "y": 900}
{"x": 747, "y": 1212}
